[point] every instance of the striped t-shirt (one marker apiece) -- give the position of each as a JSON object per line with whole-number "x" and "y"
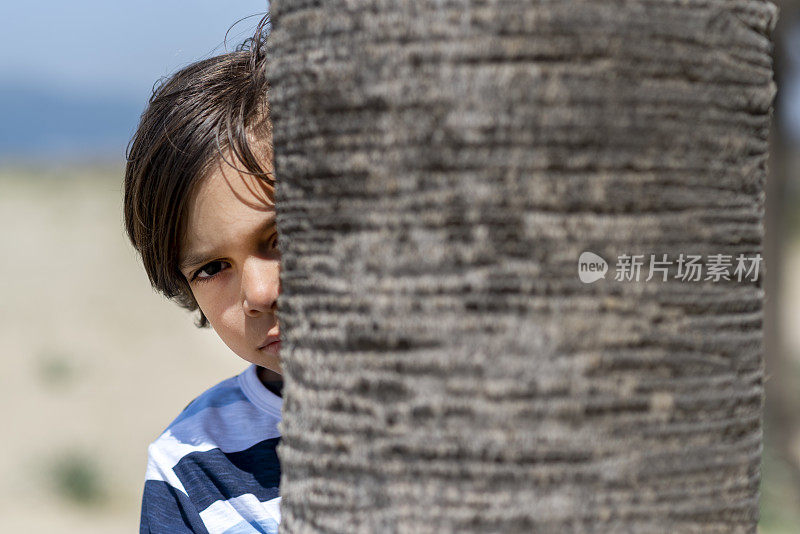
{"x": 215, "y": 468}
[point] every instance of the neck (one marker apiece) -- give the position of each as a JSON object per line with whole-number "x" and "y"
{"x": 268, "y": 375}
{"x": 272, "y": 381}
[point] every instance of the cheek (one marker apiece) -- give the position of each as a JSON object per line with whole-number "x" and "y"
{"x": 215, "y": 302}
{"x": 229, "y": 327}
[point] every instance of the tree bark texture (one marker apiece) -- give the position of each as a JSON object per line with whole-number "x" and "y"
{"x": 441, "y": 166}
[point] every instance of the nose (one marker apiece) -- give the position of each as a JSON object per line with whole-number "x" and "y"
{"x": 260, "y": 286}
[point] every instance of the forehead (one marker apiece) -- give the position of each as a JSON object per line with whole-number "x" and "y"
{"x": 223, "y": 204}
{"x": 224, "y": 183}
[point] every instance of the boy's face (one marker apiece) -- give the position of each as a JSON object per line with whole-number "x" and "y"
{"x": 230, "y": 257}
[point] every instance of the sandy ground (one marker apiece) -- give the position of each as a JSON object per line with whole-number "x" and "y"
{"x": 94, "y": 363}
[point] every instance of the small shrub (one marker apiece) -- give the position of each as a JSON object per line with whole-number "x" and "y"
{"x": 78, "y": 478}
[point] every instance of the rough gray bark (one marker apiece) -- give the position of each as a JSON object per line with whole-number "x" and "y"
{"x": 441, "y": 166}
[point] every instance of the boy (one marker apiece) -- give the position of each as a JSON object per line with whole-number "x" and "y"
{"x": 199, "y": 209}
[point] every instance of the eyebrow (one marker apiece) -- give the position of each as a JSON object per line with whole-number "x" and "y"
{"x": 195, "y": 259}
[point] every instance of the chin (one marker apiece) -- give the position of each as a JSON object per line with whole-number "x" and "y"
{"x": 269, "y": 361}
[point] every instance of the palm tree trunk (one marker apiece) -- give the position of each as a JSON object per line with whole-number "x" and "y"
{"x": 441, "y": 167}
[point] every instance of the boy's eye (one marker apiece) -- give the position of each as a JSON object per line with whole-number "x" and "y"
{"x": 274, "y": 241}
{"x": 211, "y": 269}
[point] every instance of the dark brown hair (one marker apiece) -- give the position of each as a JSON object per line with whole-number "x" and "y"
{"x": 212, "y": 111}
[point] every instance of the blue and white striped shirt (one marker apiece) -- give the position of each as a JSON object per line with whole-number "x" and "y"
{"x": 215, "y": 468}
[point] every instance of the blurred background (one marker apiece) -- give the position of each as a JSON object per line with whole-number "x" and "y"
{"x": 95, "y": 364}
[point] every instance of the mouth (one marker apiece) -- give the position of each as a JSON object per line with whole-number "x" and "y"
{"x": 272, "y": 348}
{"x": 271, "y": 341}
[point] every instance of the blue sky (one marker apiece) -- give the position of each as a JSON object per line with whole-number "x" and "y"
{"x": 74, "y": 76}
{"x": 105, "y": 46}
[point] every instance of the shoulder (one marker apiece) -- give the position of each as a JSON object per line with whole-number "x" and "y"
{"x": 216, "y": 464}
{"x": 223, "y": 417}
{"x": 224, "y": 393}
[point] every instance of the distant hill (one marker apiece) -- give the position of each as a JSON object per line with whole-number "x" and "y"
{"x": 42, "y": 122}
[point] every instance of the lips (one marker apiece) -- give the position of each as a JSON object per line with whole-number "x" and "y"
{"x": 270, "y": 339}
{"x": 272, "y": 348}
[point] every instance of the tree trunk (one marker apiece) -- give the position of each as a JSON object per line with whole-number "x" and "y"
{"x": 441, "y": 167}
